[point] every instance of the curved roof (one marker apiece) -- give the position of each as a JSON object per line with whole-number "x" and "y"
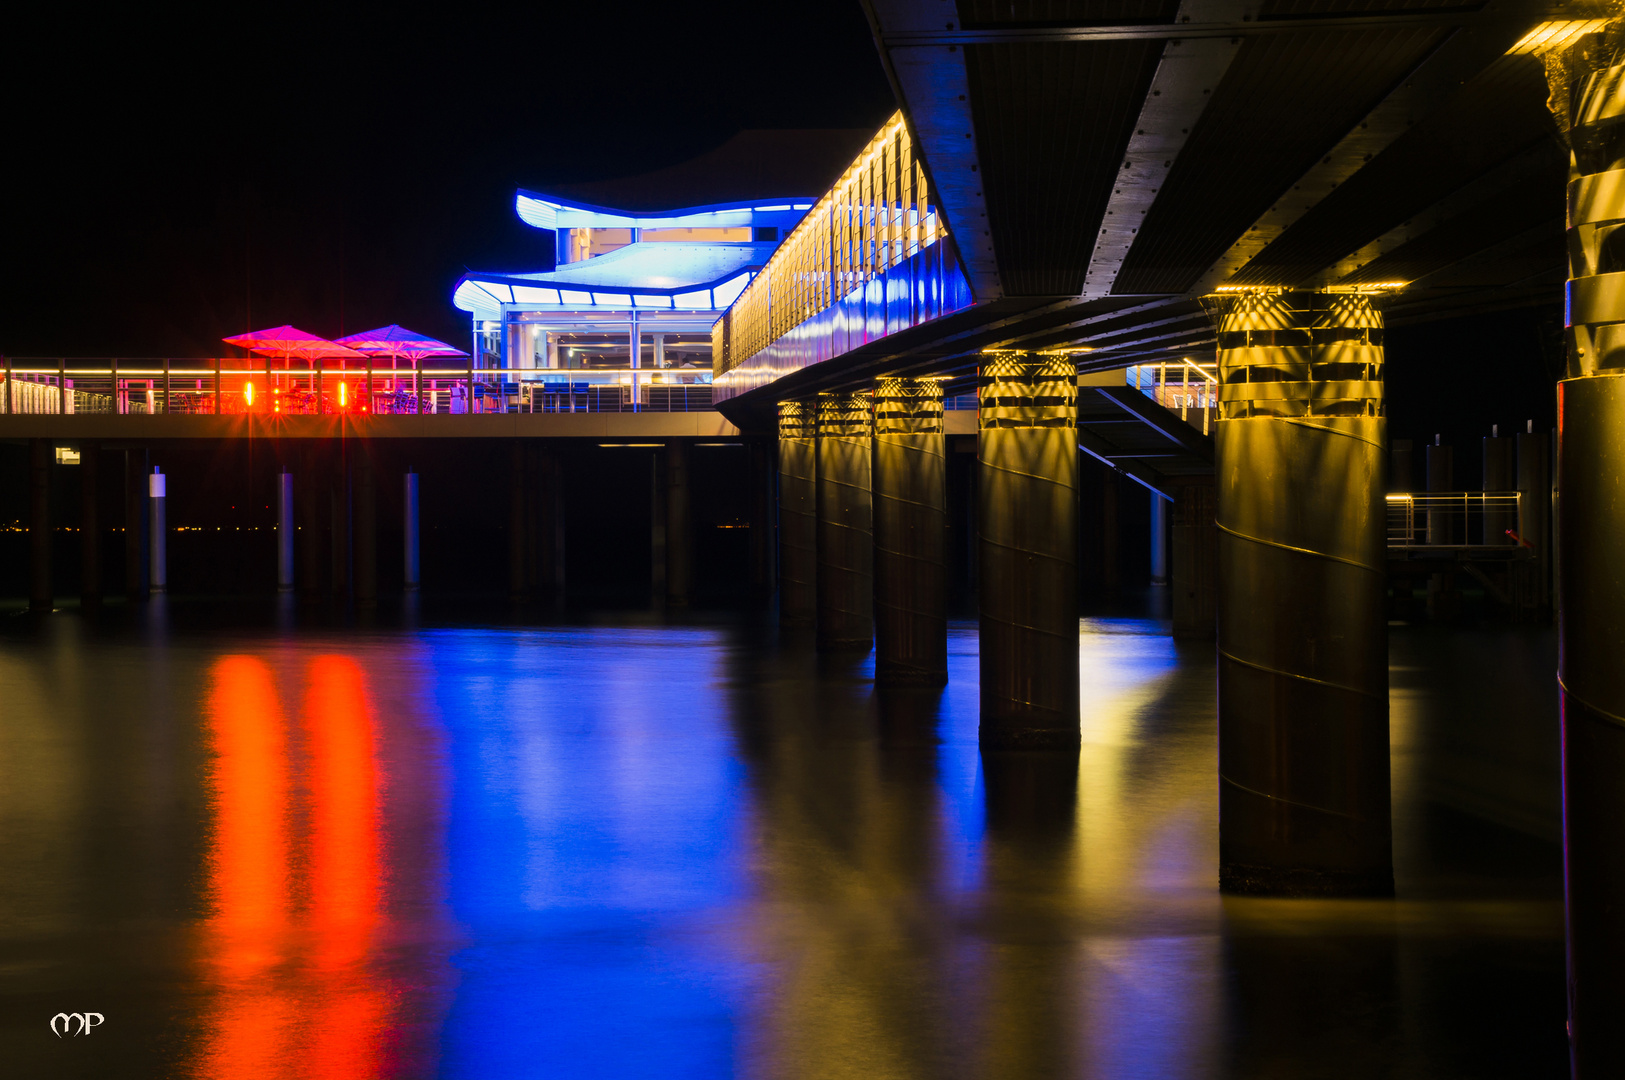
{"x": 692, "y": 277}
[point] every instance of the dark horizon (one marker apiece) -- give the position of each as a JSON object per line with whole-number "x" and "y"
{"x": 172, "y": 186}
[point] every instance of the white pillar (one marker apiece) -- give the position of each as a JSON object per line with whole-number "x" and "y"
{"x": 637, "y": 351}
{"x": 284, "y": 531}
{"x": 156, "y": 496}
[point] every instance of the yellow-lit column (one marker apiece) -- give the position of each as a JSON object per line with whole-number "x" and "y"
{"x": 798, "y": 513}
{"x": 845, "y": 523}
{"x": 1591, "y": 589}
{"x": 911, "y": 521}
{"x": 1027, "y": 524}
{"x": 1303, "y": 665}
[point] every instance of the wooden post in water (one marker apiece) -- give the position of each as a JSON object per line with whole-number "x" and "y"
{"x": 90, "y": 550}
{"x": 39, "y": 525}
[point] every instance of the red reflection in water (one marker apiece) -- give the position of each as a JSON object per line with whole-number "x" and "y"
{"x": 248, "y": 870}
{"x": 249, "y": 855}
{"x": 293, "y": 1004}
{"x": 344, "y": 813}
{"x": 344, "y": 878}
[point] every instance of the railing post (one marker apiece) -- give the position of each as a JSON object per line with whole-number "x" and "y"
{"x": 8, "y": 386}
{"x": 217, "y": 386}
{"x": 166, "y": 386}
{"x": 62, "y": 386}
{"x": 119, "y": 404}
{"x": 417, "y": 385}
{"x": 320, "y": 388}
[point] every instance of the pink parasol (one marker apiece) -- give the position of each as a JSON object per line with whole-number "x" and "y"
{"x": 289, "y": 342}
{"x": 395, "y": 340}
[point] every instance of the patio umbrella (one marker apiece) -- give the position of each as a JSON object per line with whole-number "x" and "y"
{"x": 290, "y": 341}
{"x": 395, "y": 340}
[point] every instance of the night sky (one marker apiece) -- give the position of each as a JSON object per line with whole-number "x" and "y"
{"x": 172, "y": 177}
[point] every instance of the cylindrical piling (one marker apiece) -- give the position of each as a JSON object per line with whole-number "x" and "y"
{"x": 40, "y": 452}
{"x": 1591, "y": 589}
{"x": 845, "y": 523}
{"x": 679, "y": 528}
{"x": 798, "y": 513}
{"x": 90, "y": 529}
{"x": 284, "y": 531}
{"x": 910, "y": 533}
{"x": 1027, "y": 524}
{"x": 410, "y": 530}
{"x": 366, "y": 529}
{"x": 1303, "y": 664}
{"x": 157, "y": 515}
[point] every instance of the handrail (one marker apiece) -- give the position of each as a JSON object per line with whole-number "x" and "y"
{"x": 237, "y": 385}
{"x": 1180, "y": 396}
{"x": 878, "y": 214}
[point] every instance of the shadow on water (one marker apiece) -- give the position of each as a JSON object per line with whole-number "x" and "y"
{"x": 290, "y": 841}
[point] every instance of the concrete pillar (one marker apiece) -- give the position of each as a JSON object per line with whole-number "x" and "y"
{"x": 366, "y": 528}
{"x": 679, "y": 524}
{"x": 311, "y": 572}
{"x": 657, "y": 528}
{"x": 135, "y": 525}
{"x": 764, "y": 498}
{"x": 1591, "y": 597}
{"x": 40, "y": 454}
{"x": 518, "y": 489}
{"x": 339, "y": 537}
{"x": 910, "y": 533}
{"x": 90, "y": 528}
{"x": 285, "y": 529}
{"x": 1027, "y": 565}
{"x": 550, "y": 524}
{"x": 1193, "y": 542}
{"x": 1441, "y": 477}
{"x": 1303, "y": 665}
{"x": 846, "y": 581}
{"x": 798, "y": 513}
{"x": 409, "y": 523}
{"x": 157, "y": 516}
{"x": 1159, "y": 539}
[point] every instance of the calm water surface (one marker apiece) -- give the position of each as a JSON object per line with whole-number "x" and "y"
{"x": 632, "y": 849}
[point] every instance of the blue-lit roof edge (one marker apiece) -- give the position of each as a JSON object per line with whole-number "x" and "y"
{"x": 511, "y": 280}
{"x": 775, "y": 203}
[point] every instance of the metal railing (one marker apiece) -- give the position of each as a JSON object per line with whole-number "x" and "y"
{"x": 1185, "y": 387}
{"x": 1454, "y": 519}
{"x": 878, "y": 214}
{"x": 237, "y": 386}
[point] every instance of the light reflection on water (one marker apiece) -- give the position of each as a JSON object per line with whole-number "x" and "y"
{"x": 703, "y": 851}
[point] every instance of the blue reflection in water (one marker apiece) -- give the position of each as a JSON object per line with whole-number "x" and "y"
{"x": 594, "y": 853}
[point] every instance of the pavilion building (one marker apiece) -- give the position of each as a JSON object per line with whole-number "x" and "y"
{"x": 644, "y": 265}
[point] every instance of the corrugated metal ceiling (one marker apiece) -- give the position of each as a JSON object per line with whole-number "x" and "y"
{"x": 1048, "y": 172}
